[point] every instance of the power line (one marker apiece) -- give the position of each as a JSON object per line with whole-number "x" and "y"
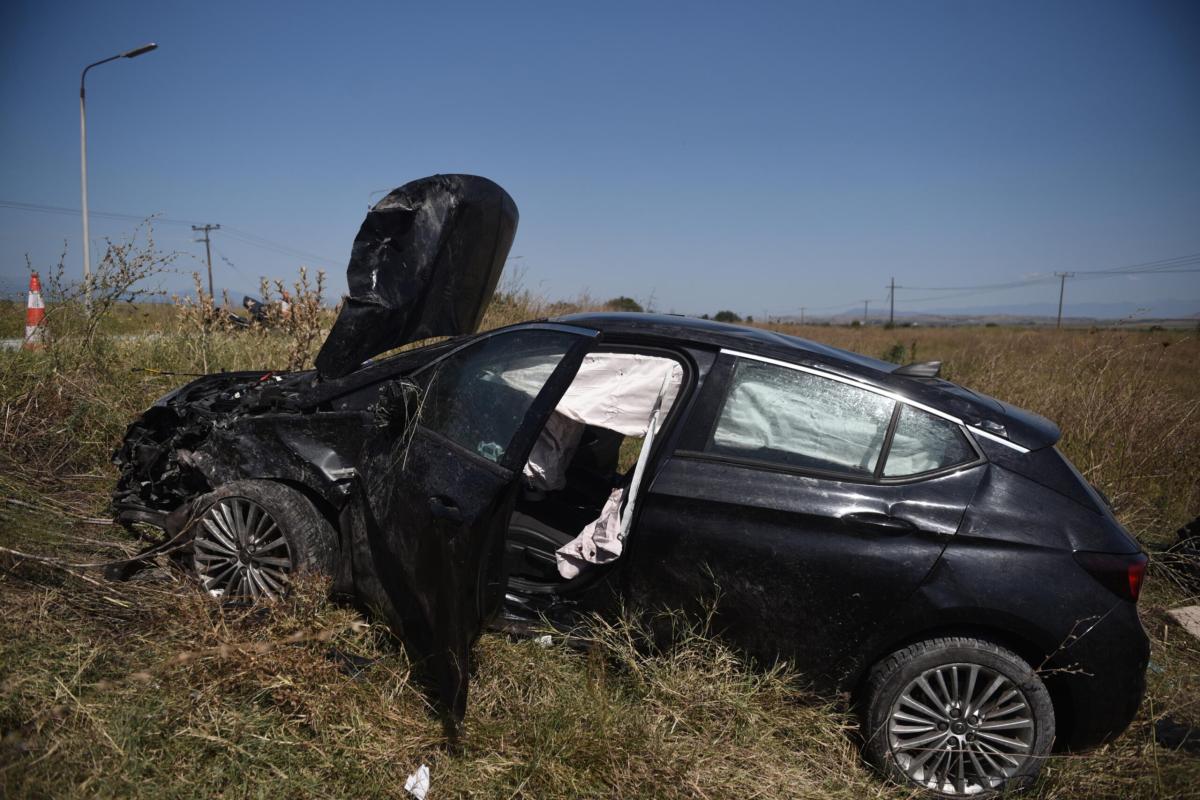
{"x": 1177, "y": 264}
{"x": 987, "y": 287}
{"x": 245, "y": 237}
{"x": 282, "y": 249}
{"x": 1189, "y": 258}
{"x": 105, "y": 214}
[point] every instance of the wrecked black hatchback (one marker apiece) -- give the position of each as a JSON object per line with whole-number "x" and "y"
{"x": 920, "y": 547}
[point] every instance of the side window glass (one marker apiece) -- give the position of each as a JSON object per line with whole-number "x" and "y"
{"x": 924, "y": 443}
{"x": 784, "y": 416}
{"x": 479, "y": 396}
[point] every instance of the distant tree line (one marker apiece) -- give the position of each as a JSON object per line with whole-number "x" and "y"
{"x": 624, "y": 303}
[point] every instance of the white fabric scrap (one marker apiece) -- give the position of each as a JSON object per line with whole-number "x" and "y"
{"x": 600, "y": 542}
{"x": 418, "y": 783}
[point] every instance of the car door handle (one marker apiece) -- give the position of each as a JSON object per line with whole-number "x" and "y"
{"x": 879, "y": 522}
{"x": 444, "y": 508}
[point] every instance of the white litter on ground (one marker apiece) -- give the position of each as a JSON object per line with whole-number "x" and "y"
{"x": 1188, "y": 617}
{"x": 418, "y": 783}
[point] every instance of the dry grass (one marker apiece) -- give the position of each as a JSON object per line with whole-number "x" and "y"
{"x": 96, "y": 701}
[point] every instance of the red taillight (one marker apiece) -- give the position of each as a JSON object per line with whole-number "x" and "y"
{"x": 1122, "y": 573}
{"x": 1137, "y": 574}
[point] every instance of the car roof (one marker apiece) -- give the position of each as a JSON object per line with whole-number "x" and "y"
{"x": 721, "y": 334}
{"x": 1023, "y": 427}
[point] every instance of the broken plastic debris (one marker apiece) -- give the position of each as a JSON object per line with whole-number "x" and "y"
{"x": 1177, "y": 736}
{"x": 544, "y": 641}
{"x": 1188, "y": 617}
{"x": 418, "y": 783}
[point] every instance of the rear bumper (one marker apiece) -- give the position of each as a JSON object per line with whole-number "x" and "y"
{"x": 1102, "y": 676}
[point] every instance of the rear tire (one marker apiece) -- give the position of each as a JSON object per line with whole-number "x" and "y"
{"x": 957, "y": 716}
{"x": 252, "y": 536}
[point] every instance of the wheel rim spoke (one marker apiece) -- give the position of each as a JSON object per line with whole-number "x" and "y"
{"x": 960, "y": 772}
{"x": 223, "y": 519}
{"x": 215, "y": 548}
{"x": 239, "y": 551}
{"x": 219, "y": 536}
{"x": 970, "y": 693}
{"x": 1006, "y": 726}
{"x": 276, "y": 580}
{"x": 271, "y": 545}
{"x": 264, "y": 528}
{"x": 945, "y": 737}
{"x": 259, "y": 584}
{"x": 912, "y": 719}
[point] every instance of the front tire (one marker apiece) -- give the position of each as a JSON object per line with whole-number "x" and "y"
{"x": 251, "y": 537}
{"x": 957, "y": 716}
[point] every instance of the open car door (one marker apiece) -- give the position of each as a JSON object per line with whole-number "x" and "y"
{"x": 438, "y": 481}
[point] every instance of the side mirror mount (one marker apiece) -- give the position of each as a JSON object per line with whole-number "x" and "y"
{"x": 398, "y": 406}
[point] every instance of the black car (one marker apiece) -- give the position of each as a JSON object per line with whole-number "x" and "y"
{"x": 921, "y": 547}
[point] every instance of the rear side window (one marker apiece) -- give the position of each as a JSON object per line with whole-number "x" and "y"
{"x": 479, "y": 396}
{"x": 924, "y": 443}
{"x": 795, "y": 419}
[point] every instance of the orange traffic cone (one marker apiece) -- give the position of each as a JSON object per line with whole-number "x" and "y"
{"x": 35, "y": 312}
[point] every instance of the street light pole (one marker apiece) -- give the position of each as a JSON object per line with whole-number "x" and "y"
{"x": 87, "y": 255}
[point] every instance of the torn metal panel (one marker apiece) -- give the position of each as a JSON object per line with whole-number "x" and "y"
{"x": 425, "y": 263}
{"x": 238, "y": 425}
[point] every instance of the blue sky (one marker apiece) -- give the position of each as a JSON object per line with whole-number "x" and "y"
{"x": 759, "y": 157}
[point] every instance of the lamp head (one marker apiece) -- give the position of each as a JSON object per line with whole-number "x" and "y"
{"x": 137, "y": 51}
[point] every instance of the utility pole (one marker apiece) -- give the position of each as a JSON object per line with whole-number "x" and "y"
{"x": 1062, "y": 285}
{"x": 801, "y": 315}
{"x": 207, "y": 251}
{"x": 892, "y": 297}
{"x": 866, "y": 313}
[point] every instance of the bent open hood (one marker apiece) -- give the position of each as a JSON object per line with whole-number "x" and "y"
{"x": 425, "y": 263}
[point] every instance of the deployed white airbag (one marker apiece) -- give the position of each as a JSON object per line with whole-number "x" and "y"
{"x": 601, "y": 540}
{"x": 617, "y": 391}
{"x": 791, "y": 412}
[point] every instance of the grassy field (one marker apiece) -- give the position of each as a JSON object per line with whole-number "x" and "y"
{"x": 148, "y": 688}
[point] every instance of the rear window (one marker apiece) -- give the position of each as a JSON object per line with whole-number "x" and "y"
{"x": 925, "y": 443}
